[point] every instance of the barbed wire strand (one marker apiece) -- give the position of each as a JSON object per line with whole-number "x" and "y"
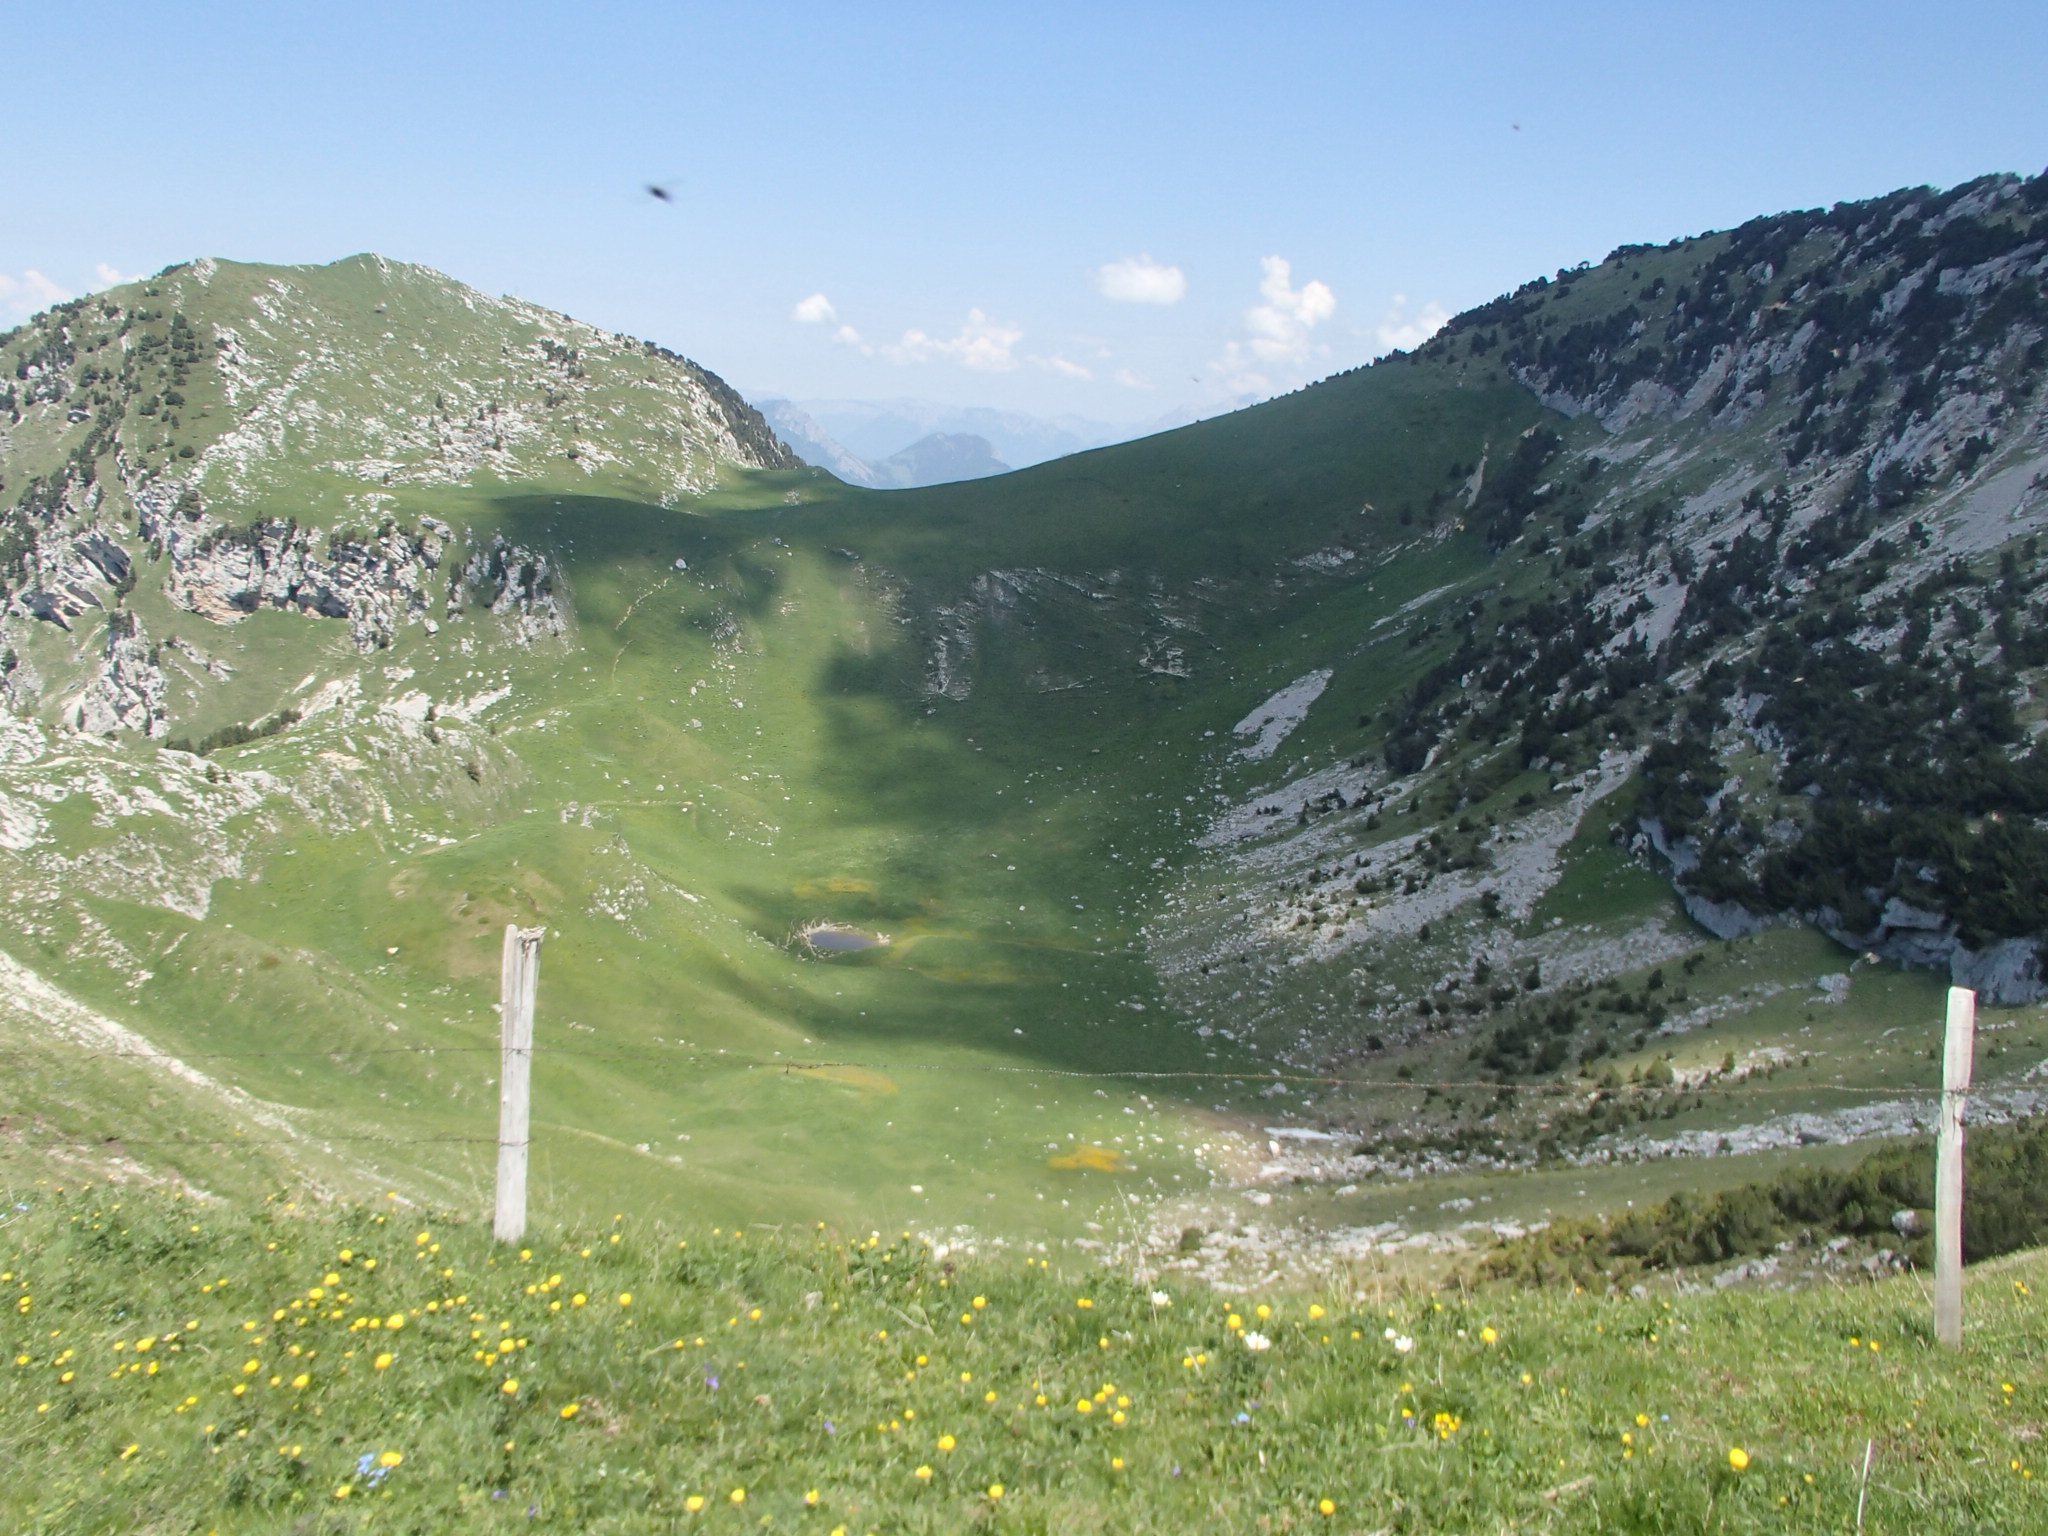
{"x": 1551, "y": 1086}
{"x": 312, "y": 1139}
{"x": 19, "y": 1138}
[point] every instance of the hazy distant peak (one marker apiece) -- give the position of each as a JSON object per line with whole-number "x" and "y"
{"x": 937, "y": 458}
{"x": 875, "y": 430}
{"x": 800, "y": 431}
{"x": 940, "y": 458}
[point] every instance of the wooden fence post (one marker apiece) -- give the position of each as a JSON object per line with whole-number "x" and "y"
{"x": 518, "y": 979}
{"x": 1958, "y": 1051}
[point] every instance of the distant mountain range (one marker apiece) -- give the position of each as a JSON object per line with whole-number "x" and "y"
{"x": 936, "y": 458}
{"x": 895, "y": 444}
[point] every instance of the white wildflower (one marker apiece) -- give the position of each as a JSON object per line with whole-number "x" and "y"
{"x": 1257, "y": 1341}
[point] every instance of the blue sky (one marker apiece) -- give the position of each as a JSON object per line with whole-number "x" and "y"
{"x": 1108, "y": 209}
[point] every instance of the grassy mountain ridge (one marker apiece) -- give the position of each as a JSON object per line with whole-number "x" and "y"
{"x": 1356, "y": 735}
{"x": 300, "y": 373}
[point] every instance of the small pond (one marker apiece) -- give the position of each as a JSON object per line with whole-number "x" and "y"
{"x": 842, "y": 939}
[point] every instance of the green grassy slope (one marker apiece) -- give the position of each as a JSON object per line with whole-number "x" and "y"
{"x": 173, "y": 1365}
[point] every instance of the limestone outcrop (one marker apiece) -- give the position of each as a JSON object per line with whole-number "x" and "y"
{"x": 130, "y": 692}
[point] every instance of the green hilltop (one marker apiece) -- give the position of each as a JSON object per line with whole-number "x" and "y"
{"x": 1455, "y": 796}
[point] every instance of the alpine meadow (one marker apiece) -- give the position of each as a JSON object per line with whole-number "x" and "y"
{"x": 1374, "y": 963}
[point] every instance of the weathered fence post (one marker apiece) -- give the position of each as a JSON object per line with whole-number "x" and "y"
{"x": 520, "y": 976}
{"x": 1958, "y": 1051}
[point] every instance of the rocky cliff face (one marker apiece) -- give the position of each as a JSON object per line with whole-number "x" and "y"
{"x": 374, "y": 583}
{"x": 129, "y": 692}
{"x": 1895, "y": 331}
{"x": 1824, "y": 443}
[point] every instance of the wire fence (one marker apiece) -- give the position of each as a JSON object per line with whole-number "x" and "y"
{"x": 1554, "y": 1087}
{"x": 116, "y": 1141}
{"x": 19, "y": 1136}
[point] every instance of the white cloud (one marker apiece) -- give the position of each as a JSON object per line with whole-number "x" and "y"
{"x": 1405, "y": 332}
{"x": 1280, "y": 327}
{"x": 1130, "y": 380}
{"x": 30, "y": 292}
{"x": 113, "y": 277}
{"x": 1065, "y": 367}
{"x": 1281, "y": 346}
{"x": 816, "y": 310}
{"x": 1141, "y": 280}
{"x": 983, "y": 344}
{"x": 1234, "y": 373}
